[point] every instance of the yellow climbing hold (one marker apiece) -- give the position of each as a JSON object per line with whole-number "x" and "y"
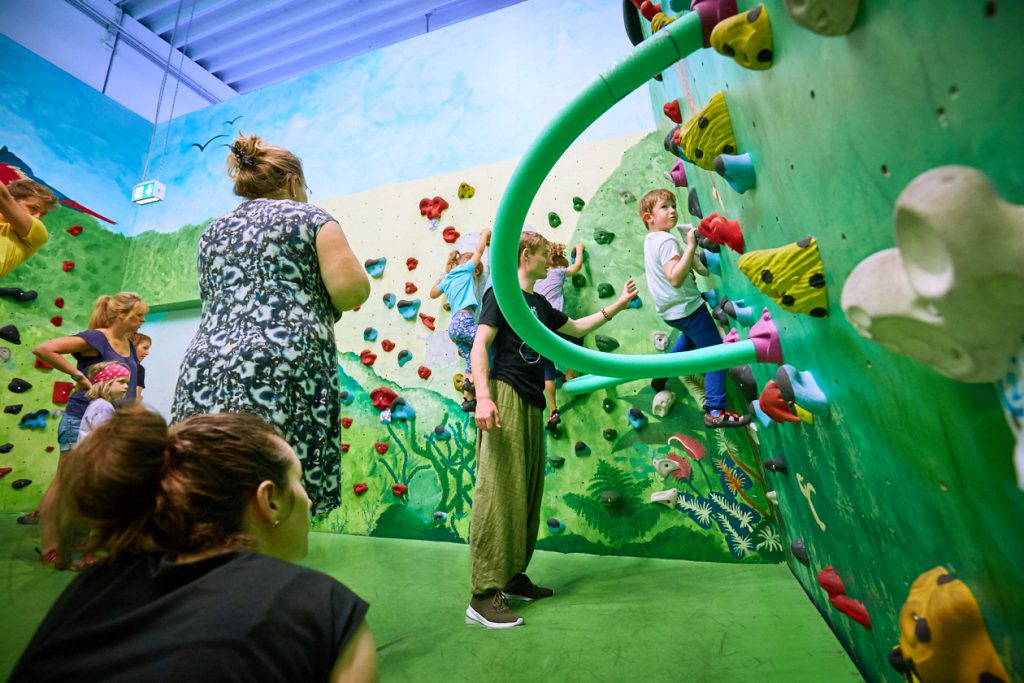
{"x": 803, "y": 414}
{"x": 747, "y": 38}
{"x": 708, "y": 134}
{"x": 457, "y": 381}
{"x": 791, "y": 275}
{"x": 660, "y": 21}
{"x": 466, "y": 190}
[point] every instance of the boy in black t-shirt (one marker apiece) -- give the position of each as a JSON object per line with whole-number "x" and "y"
{"x": 510, "y": 441}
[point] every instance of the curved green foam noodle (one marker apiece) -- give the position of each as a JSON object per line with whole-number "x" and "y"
{"x": 677, "y": 40}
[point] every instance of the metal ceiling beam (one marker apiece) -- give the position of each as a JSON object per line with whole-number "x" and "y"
{"x": 388, "y": 34}
{"x": 162, "y": 22}
{"x": 301, "y": 41}
{"x": 141, "y": 9}
{"x": 228, "y": 17}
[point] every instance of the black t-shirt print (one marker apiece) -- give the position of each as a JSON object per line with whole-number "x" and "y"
{"x": 513, "y": 360}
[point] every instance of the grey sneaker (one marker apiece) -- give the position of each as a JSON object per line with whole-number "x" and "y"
{"x": 521, "y": 588}
{"x": 491, "y": 610}
{"x": 718, "y": 419}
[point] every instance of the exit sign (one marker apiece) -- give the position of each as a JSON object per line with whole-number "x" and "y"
{"x": 148, "y": 191}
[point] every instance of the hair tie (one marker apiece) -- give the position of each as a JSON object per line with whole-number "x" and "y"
{"x": 244, "y": 160}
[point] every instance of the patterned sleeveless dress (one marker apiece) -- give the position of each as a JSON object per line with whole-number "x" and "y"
{"x": 265, "y": 343}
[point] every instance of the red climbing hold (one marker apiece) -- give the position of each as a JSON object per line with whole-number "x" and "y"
{"x": 344, "y": 448}
{"x": 356, "y": 309}
{"x": 59, "y": 302}
{"x": 382, "y": 398}
{"x": 75, "y": 230}
{"x": 4, "y": 471}
{"x": 411, "y": 263}
{"x": 387, "y": 345}
{"x": 649, "y": 10}
{"x": 346, "y": 422}
{"x": 410, "y": 288}
{"x": 68, "y": 266}
{"x": 423, "y": 372}
{"x": 43, "y": 365}
{"x": 721, "y": 230}
{"x": 49, "y": 449}
{"x": 851, "y": 608}
{"x": 450, "y": 234}
{"x": 830, "y": 581}
{"x": 774, "y": 405}
{"x": 381, "y": 446}
{"x": 360, "y": 488}
{"x": 367, "y": 357}
{"x": 428, "y": 320}
{"x": 671, "y": 110}
{"x": 62, "y": 392}
{"x": 56, "y": 321}
{"x": 399, "y": 489}
{"x": 432, "y": 208}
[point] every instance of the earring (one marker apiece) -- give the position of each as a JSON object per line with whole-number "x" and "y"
{"x": 277, "y": 523}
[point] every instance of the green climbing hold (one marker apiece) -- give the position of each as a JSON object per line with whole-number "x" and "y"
{"x": 553, "y": 220}
{"x": 608, "y": 405}
{"x": 605, "y": 290}
{"x": 556, "y": 461}
{"x": 579, "y": 280}
{"x": 610, "y": 434}
{"x": 603, "y": 236}
{"x": 578, "y": 203}
{"x": 606, "y": 343}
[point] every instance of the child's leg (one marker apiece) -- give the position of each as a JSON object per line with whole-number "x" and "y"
{"x": 700, "y": 329}
{"x": 461, "y": 331}
{"x": 683, "y": 343}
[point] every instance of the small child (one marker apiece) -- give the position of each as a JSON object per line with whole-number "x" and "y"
{"x": 550, "y": 288}
{"x": 23, "y": 203}
{"x": 678, "y": 301}
{"x": 458, "y": 284}
{"x": 109, "y": 385}
{"x": 142, "y": 344}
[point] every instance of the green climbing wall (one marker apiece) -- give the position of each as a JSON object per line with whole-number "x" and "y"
{"x": 909, "y": 470}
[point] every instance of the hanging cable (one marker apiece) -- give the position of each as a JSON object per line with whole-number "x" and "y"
{"x": 177, "y": 82}
{"x": 163, "y": 82}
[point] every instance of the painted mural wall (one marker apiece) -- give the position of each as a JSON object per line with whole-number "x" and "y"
{"x": 905, "y": 469}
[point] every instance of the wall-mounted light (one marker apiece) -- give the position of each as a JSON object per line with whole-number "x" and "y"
{"x": 148, "y": 191}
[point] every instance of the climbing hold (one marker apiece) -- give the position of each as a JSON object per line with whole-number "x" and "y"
{"x": 711, "y": 261}
{"x": 605, "y": 343}
{"x": 611, "y": 499}
{"x": 410, "y": 288}
{"x": 793, "y": 276}
{"x": 433, "y": 208}
{"x": 5, "y": 353}
{"x": 440, "y": 516}
{"x": 360, "y": 488}
{"x": 775, "y": 406}
{"x": 636, "y": 418}
{"x": 581, "y": 449}
{"x": 777, "y": 465}
{"x": 389, "y": 300}
{"x": 738, "y": 171}
{"x": 466, "y": 191}
{"x": 578, "y": 204}
{"x": 14, "y": 409}
{"x": 556, "y": 526}
{"x": 18, "y": 386}
{"x": 732, "y": 337}
{"x": 6, "y": 448}
{"x": 830, "y": 581}
{"x": 710, "y": 13}
{"x": 62, "y": 392}
{"x": 579, "y": 280}
{"x": 441, "y": 433}
{"x": 34, "y": 420}
{"x": 10, "y": 333}
{"x": 381, "y": 447}
{"x": 423, "y": 372}
{"x": 75, "y": 230}
{"x": 608, "y": 405}
{"x": 56, "y": 321}
{"x": 367, "y": 357}
{"x": 719, "y": 314}
{"x": 20, "y": 483}
{"x": 402, "y": 409}
{"x": 609, "y": 434}
{"x": 556, "y": 461}
{"x": 708, "y": 133}
{"x": 375, "y": 266}
{"x": 762, "y": 417}
{"x": 667, "y": 497}
{"x": 18, "y": 294}
{"x": 827, "y": 18}
{"x": 603, "y": 236}
{"x": 399, "y": 490}
{"x": 721, "y": 230}
{"x": 404, "y": 356}
{"x": 675, "y": 466}
{"x": 347, "y": 397}
{"x": 345, "y": 447}
{"x": 671, "y": 110}
{"x": 411, "y": 263}
{"x": 678, "y": 174}
{"x": 853, "y": 609}
{"x": 457, "y": 381}
{"x": 553, "y": 422}
{"x": 427, "y": 320}
{"x": 626, "y": 196}
{"x": 382, "y": 398}
{"x": 801, "y": 389}
{"x": 747, "y": 38}
{"x": 553, "y": 220}
{"x": 387, "y": 345}
{"x": 662, "y": 404}
{"x": 408, "y": 309}
{"x": 693, "y": 203}
{"x": 450, "y": 234}
{"x": 671, "y": 143}
{"x": 68, "y": 266}
{"x": 59, "y": 302}
{"x": 765, "y": 336}
{"x": 4, "y": 471}
{"x": 800, "y": 551}
{"x": 739, "y": 311}
{"x": 370, "y": 334}
{"x": 605, "y": 290}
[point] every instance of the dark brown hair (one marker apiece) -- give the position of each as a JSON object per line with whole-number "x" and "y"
{"x": 260, "y": 169}
{"x": 651, "y": 199}
{"x": 138, "y": 487}
{"x": 29, "y": 189}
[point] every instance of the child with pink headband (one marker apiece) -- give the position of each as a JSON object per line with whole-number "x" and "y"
{"x": 109, "y": 385}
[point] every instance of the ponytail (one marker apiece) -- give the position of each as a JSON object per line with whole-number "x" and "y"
{"x": 107, "y": 308}
{"x": 453, "y": 260}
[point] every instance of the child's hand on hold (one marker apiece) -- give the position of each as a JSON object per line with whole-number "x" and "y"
{"x": 629, "y": 291}
{"x": 691, "y": 238}
{"x": 485, "y": 236}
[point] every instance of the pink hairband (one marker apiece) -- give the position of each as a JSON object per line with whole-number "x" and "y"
{"x": 112, "y": 371}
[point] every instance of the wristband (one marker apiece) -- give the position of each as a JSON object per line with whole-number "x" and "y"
{"x": 78, "y": 377}
{"x": 605, "y": 314}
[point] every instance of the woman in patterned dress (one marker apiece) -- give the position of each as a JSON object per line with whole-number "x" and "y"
{"x": 274, "y": 276}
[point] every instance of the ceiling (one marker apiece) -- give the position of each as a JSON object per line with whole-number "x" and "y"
{"x": 249, "y": 44}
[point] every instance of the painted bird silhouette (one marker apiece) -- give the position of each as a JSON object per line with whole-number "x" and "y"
{"x": 202, "y": 147}
{"x": 232, "y": 121}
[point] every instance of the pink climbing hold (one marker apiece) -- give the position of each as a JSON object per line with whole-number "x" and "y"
{"x": 710, "y": 12}
{"x": 671, "y": 110}
{"x": 411, "y": 263}
{"x": 765, "y": 336}
{"x": 423, "y": 372}
{"x": 432, "y": 208}
{"x": 360, "y": 488}
{"x": 428, "y": 320}
{"x": 450, "y": 234}
{"x": 410, "y": 288}
{"x": 387, "y": 344}
{"x": 721, "y": 230}
{"x": 732, "y": 337}
{"x": 367, "y": 357}
{"x": 381, "y": 446}
{"x": 678, "y": 174}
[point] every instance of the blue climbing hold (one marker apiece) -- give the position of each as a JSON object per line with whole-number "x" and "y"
{"x": 370, "y": 334}
{"x": 441, "y": 433}
{"x": 440, "y": 516}
{"x": 711, "y": 296}
{"x": 389, "y": 300}
{"x": 402, "y": 410}
{"x": 802, "y": 389}
{"x": 637, "y": 419}
{"x": 761, "y": 416}
{"x": 636, "y": 302}
{"x": 375, "y": 266}
{"x": 404, "y": 356}
{"x": 408, "y": 309}
{"x": 582, "y": 449}
{"x": 738, "y": 171}
{"x": 347, "y": 397}
{"x": 712, "y": 261}
{"x": 555, "y": 525}
{"x": 34, "y": 420}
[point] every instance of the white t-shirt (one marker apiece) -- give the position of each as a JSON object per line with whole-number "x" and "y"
{"x": 99, "y": 411}
{"x": 672, "y": 303}
{"x": 551, "y": 287}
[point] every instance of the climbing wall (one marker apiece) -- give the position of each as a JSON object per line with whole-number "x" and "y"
{"x": 903, "y": 469}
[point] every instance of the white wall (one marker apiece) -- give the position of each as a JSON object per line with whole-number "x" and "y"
{"x": 171, "y": 332}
